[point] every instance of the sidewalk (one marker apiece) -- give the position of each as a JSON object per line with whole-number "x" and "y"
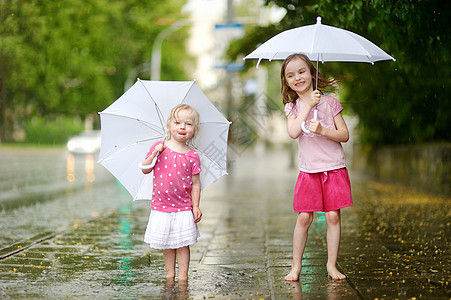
{"x": 394, "y": 245}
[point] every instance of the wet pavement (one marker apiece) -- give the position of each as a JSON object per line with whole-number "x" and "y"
{"x": 394, "y": 244}
{"x": 44, "y": 189}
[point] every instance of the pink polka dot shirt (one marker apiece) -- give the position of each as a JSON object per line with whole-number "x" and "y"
{"x": 172, "y": 179}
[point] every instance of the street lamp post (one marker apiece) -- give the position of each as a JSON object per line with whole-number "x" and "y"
{"x": 155, "y": 65}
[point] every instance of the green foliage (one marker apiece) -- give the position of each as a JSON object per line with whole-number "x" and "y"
{"x": 407, "y": 100}
{"x": 397, "y": 102}
{"x": 68, "y": 58}
{"x": 40, "y": 130}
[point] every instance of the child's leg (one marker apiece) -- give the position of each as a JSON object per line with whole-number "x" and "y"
{"x": 300, "y": 234}
{"x": 183, "y": 256}
{"x": 333, "y": 220}
{"x": 169, "y": 262}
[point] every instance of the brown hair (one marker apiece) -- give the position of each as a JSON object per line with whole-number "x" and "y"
{"x": 174, "y": 113}
{"x": 290, "y": 96}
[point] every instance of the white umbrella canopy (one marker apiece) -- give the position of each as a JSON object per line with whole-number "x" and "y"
{"x": 320, "y": 43}
{"x": 137, "y": 119}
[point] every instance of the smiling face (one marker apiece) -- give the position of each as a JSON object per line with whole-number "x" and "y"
{"x": 298, "y": 76}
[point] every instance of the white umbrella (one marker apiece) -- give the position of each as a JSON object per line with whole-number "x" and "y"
{"x": 137, "y": 119}
{"x": 320, "y": 43}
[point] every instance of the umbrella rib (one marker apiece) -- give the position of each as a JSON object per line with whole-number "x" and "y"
{"x": 369, "y": 56}
{"x": 272, "y": 57}
{"x": 147, "y": 124}
{"x": 216, "y": 122}
{"x": 210, "y": 159}
{"x": 314, "y": 37}
{"x": 140, "y": 187}
{"x": 160, "y": 115}
{"x": 187, "y": 92}
{"x": 129, "y": 145}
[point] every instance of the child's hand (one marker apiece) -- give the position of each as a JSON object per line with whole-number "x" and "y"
{"x": 158, "y": 149}
{"x": 148, "y": 164}
{"x": 197, "y": 214}
{"x": 316, "y": 97}
{"x": 315, "y": 126}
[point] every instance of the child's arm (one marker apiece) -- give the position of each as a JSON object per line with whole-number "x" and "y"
{"x": 195, "y": 196}
{"x": 294, "y": 123}
{"x": 158, "y": 149}
{"x": 340, "y": 134}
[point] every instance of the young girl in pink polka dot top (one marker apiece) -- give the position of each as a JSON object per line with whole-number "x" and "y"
{"x": 175, "y": 209}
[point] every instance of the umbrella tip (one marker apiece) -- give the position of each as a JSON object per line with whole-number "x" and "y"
{"x": 318, "y": 20}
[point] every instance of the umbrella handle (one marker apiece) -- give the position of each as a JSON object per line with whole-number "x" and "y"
{"x": 315, "y": 117}
{"x": 150, "y": 166}
{"x": 154, "y": 161}
{"x": 145, "y": 167}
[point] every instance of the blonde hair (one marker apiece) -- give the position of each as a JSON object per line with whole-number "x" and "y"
{"x": 174, "y": 115}
{"x": 290, "y": 96}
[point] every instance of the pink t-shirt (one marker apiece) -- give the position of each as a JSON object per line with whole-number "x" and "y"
{"x": 318, "y": 153}
{"x": 172, "y": 179}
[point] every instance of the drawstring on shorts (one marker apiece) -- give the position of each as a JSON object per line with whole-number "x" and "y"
{"x": 325, "y": 176}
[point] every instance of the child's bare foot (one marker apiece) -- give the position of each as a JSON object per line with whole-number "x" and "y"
{"x": 334, "y": 273}
{"x": 292, "y": 276}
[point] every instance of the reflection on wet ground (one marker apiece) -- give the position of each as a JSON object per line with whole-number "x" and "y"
{"x": 394, "y": 243}
{"x": 45, "y": 189}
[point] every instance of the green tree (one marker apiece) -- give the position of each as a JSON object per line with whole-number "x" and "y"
{"x": 63, "y": 58}
{"x": 397, "y": 102}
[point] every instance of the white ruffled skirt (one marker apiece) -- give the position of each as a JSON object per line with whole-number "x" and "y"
{"x": 174, "y": 230}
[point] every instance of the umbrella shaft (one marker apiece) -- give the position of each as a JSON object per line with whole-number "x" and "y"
{"x": 317, "y": 67}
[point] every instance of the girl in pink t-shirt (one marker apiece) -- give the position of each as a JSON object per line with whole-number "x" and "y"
{"x": 176, "y": 192}
{"x": 323, "y": 182}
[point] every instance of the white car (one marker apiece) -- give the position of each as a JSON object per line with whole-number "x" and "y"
{"x": 88, "y": 142}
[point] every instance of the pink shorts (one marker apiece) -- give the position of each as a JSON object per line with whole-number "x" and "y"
{"x": 325, "y": 191}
